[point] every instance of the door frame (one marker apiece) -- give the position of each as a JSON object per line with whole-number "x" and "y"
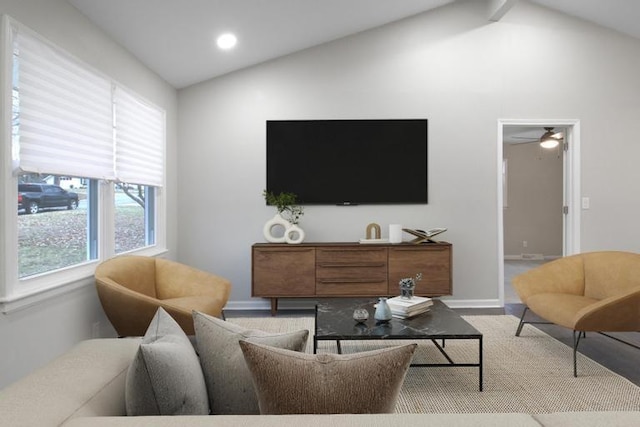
{"x": 571, "y": 185}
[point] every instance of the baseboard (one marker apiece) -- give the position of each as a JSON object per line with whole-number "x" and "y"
{"x": 309, "y": 304}
{"x": 473, "y": 303}
{"x": 529, "y": 257}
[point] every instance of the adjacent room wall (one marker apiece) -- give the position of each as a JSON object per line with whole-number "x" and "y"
{"x": 458, "y": 70}
{"x": 534, "y": 210}
{"x": 32, "y": 336}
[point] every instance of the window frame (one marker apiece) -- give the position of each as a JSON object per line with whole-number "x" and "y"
{"x": 16, "y": 293}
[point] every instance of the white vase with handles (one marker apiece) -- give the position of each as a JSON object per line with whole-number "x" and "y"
{"x": 294, "y": 234}
{"x": 276, "y": 221}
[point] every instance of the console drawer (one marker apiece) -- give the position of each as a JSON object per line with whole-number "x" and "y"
{"x": 351, "y": 271}
{"x": 350, "y": 255}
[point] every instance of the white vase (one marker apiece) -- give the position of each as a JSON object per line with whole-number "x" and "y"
{"x": 276, "y": 221}
{"x": 294, "y": 234}
{"x": 395, "y": 233}
{"x": 383, "y": 311}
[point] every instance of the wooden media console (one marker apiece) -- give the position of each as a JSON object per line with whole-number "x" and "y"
{"x": 318, "y": 270}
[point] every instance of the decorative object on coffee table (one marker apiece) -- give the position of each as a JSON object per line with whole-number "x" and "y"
{"x": 408, "y": 285}
{"x": 288, "y": 215}
{"x": 383, "y": 312}
{"x": 403, "y": 308}
{"x": 360, "y": 315}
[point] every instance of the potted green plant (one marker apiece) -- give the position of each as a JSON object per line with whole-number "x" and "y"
{"x": 286, "y": 204}
{"x": 288, "y": 216}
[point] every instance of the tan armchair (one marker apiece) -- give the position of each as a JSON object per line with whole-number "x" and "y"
{"x": 131, "y": 288}
{"x": 594, "y": 291}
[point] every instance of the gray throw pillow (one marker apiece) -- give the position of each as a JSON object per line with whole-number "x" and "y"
{"x": 165, "y": 377}
{"x": 295, "y": 383}
{"x": 228, "y": 380}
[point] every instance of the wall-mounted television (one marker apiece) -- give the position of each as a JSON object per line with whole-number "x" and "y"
{"x": 348, "y": 162}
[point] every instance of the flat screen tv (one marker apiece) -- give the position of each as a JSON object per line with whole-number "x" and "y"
{"x": 348, "y": 162}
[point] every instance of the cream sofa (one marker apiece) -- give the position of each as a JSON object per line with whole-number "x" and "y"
{"x": 85, "y": 387}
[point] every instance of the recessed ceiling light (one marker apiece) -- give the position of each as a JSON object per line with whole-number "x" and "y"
{"x": 226, "y": 41}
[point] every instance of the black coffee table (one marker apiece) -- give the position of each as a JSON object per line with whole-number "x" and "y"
{"x": 334, "y": 322}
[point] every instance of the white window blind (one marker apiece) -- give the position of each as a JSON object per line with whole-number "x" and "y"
{"x": 64, "y": 112}
{"x": 140, "y": 135}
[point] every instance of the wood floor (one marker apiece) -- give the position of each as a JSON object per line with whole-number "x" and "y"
{"x": 618, "y": 357}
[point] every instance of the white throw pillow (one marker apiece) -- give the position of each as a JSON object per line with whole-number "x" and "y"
{"x": 228, "y": 379}
{"x": 165, "y": 377}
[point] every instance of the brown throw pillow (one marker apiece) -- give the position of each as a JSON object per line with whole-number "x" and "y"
{"x": 288, "y": 382}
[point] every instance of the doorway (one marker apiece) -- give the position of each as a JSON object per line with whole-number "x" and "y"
{"x": 538, "y": 194}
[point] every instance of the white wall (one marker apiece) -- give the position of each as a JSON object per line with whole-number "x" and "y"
{"x": 450, "y": 66}
{"x": 31, "y": 337}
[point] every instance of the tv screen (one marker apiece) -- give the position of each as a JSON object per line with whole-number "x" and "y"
{"x": 348, "y": 162}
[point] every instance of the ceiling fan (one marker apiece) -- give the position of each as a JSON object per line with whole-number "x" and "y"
{"x": 549, "y": 139}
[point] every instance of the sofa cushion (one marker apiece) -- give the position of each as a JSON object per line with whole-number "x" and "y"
{"x": 590, "y": 419}
{"x": 298, "y": 383}
{"x": 228, "y": 380}
{"x": 71, "y": 385}
{"x": 326, "y": 420}
{"x": 165, "y": 377}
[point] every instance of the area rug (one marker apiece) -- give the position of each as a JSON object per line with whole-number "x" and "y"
{"x": 532, "y": 373}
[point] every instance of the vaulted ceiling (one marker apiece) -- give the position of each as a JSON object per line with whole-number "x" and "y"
{"x": 176, "y": 38}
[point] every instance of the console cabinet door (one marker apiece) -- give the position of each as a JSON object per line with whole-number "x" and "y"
{"x": 283, "y": 272}
{"x": 433, "y": 261}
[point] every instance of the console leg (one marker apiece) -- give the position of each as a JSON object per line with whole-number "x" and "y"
{"x": 274, "y": 306}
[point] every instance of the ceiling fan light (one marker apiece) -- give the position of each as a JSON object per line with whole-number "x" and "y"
{"x": 548, "y": 139}
{"x": 549, "y": 143}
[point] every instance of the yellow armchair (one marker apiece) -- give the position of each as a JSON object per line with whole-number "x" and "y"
{"x": 131, "y": 288}
{"x": 594, "y": 291}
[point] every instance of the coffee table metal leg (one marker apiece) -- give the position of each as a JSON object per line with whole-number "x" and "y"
{"x": 339, "y": 346}
{"x": 441, "y": 350}
{"x": 480, "y": 361}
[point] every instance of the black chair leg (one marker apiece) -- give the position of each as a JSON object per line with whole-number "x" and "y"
{"x": 522, "y": 322}
{"x": 576, "y": 341}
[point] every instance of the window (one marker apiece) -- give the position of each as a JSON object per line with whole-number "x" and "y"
{"x": 53, "y": 225}
{"x": 75, "y": 142}
{"x": 134, "y": 219}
